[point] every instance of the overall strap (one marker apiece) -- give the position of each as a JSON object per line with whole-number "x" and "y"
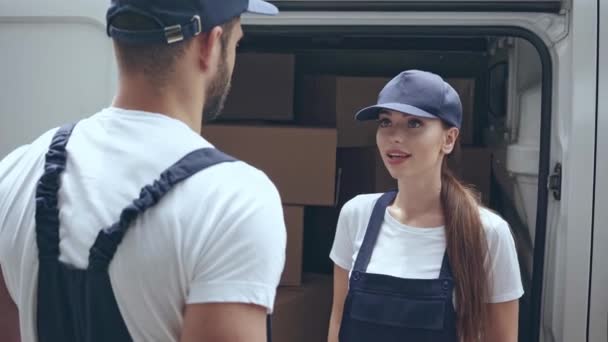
{"x": 373, "y": 229}
{"x": 446, "y": 269}
{"x": 107, "y": 241}
{"x": 47, "y": 210}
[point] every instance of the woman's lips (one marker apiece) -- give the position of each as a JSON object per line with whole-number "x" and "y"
{"x": 395, "y": 157}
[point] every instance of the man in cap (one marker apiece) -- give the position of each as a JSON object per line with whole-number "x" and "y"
{"x": 129, "y": 225}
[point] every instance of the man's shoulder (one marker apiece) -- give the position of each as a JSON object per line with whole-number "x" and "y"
{"x": 230, "y": 199}
{"x": 237, "y": 172}
{"x": 24, "y": 157}
{"x": 229, "y": 180}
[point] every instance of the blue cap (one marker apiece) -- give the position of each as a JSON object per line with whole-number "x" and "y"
{"x": 180, "y": 19}
{"x": 418, "y": 93}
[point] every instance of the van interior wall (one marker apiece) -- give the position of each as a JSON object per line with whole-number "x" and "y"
{"x": 297, "y": 89}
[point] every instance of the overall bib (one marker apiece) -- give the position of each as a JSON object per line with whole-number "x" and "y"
{"x": 384, "y": 308}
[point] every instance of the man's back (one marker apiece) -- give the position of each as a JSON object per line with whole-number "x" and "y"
{"x": 217, "y": 237}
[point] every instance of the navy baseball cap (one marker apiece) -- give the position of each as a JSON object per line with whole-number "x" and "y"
{"x": 180, "y": 19}
{"x": 418, "y": 93}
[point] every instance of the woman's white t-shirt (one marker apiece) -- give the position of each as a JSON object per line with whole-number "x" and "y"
{"x": 417, "y": 253}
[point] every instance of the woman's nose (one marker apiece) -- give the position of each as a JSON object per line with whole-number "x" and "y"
{"x": 396, "y": 136}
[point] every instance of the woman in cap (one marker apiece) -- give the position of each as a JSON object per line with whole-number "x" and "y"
{"x": 425, "y": 262}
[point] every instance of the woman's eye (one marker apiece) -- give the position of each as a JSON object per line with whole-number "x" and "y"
{"x": 414, "y": 123}
{"x": 384, "y": 122}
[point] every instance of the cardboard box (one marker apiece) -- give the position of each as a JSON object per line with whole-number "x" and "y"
{"x": 473, "y": 166}
{"x": 294, "y": 222}
{"x": 465, "y": 87}
{"x": 333, "y": 101}
{"x": 301, "y": 162}
{"x": 262, "y": 88}
{"x": 362, "y": 171}
{"x": 302, "y": 314}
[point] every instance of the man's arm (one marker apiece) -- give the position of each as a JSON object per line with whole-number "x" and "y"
{"x": 9, "y": 315}
{"x": 234, "y": 268}
{"x": 224, "y": 322}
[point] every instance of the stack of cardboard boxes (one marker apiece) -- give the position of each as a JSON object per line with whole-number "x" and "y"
{"x": 301, "y": 132}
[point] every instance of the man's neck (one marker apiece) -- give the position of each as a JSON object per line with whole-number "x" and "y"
{"x": 137, "y": 94}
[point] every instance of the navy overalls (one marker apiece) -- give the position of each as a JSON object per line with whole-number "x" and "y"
{"x": 384, "y": 308}
{"x": 79, "y": 305}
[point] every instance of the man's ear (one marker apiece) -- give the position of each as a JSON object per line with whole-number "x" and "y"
{"x": 210, "y": 47}
{"x": 451, "y": 136}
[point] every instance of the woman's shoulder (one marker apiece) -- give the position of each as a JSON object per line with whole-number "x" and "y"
{"x": 361, "y": 203}
{"x": 359, "y": 208}
{"x": 495, "y": 227}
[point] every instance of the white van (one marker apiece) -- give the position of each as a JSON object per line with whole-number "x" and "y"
{"x": 541, "y": 105}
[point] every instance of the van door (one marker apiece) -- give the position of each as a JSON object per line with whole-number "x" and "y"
{"x": 598, "y": 311}
{"x": 553, "y": 6}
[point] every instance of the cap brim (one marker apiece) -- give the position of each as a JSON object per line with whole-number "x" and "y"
{"x": 262, "y": 7}
{"x": 371, "y": 113}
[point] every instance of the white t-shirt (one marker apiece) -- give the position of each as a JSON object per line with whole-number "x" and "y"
{"x": 219, "y": 236}
{"x": 417, "y": 253}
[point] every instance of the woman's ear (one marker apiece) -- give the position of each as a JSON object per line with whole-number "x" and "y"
{"x": 451, "y": 136}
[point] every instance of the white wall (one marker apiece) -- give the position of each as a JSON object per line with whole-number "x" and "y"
{"x": 57, "y": 66}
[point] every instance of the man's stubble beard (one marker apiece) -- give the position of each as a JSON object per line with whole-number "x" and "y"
{"x": 217, "y": 92}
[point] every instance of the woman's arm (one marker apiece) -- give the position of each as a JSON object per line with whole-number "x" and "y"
{"x": 503, "y": 321}
{"x": 340, "y": 291}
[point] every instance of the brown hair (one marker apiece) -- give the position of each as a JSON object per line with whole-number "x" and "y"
{"x": 467, "y": 251}
{"x": 156, "y": 61}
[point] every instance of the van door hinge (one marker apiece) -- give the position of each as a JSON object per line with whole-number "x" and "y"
{"x": 555, "y": 181}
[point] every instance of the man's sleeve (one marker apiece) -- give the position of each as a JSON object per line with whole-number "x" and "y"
{"x": 7, "y": 166}
{"x": 243, "y": 256}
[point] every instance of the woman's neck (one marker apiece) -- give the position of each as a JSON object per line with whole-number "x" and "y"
{"x": 418, "y": 202}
